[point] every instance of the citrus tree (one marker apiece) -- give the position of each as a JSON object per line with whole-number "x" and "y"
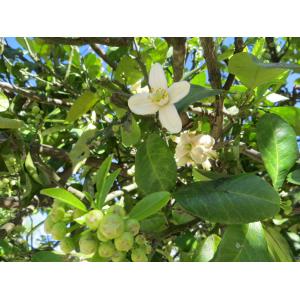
{"x": 149, "y": 149}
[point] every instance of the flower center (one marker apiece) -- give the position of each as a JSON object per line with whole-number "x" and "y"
{"x": 160, "y": 97}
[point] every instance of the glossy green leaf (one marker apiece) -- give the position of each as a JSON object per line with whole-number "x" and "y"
{"x": 128, "y": 70}
{"x": 101, "y": 184}
{"x": 294, "y": 177}
{"x": 10, "y": 123}
{"x": 234, "y": 200}
{"x": 149, "y": 205}
{"x": 252, "y": 72}
{"x": 151, "y": 157}
{"x": 277, "y": 143}
{"x": 278, "y": 246}
{"x": 4, "y": 103}
{"x": 243, "y": 243}
{"x": 130, "y": 133}
{"x": 290, "y": 114}
{"x": 208, "y": 248}
{"x": 153, "y": 224}
{"x": 196, "y": 93}
{"x": 64, "y": 196}
{"x": 81, "y": 106}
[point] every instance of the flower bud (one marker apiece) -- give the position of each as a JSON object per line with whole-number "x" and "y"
{"x": 48, "y": 225}
{"x": 57, "y": 214}
{"x": 133, "y": 226}
{"x": 93, "y": 219}
{"x": 106, "y": 249}
{"x": 111, "y": 226}
{"x": 138, "y": 255}
{"x": 124, "y": 242}
{"x": 87, "y": 244}
{"x": 35, "y": 109}
{"x": 117, "y": 209}
{"x": 59, "y": 231}
{"x": 67, "y": 245}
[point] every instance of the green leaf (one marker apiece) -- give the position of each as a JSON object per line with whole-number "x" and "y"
{"x": 196, "y": 93}
{"x": 130, "y": 133}
{"x": 290, "y": 114}
{"x": 252, "y": 72}
{"x": 151, "y": 156}
{"x": 47, "y": 256}
{"x": 81, "y": 106}
{"x": 278, "y": 246}
{"x": 149, "y": 205}
{"x": 234, "y": 200}
{"x": 32, "y": 170}
{"x": 277, "y": 143}
{"x": 208, "y": 248}
{"x": 10, "y": 123}
{"x": 243, "y": 243}
{"x": 109, "y": 181}
{"x": 128, "y": 70}
{"x": 4, "y": 103}
{"x": 153, "y": 224}
{"x": 101, "y": 184}
{"x": 64, "y": 196}
{"x": 294, "y": 177}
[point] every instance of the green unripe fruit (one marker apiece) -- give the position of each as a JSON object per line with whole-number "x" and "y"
{"x": 35, "y": 109}
{"x": 5, "y": 181}
{"x": 140, "y": 240}
{"x": 48, "y": 225}
{"x": 59, "y": 230}
{"x": 106, "y": 249}
{"x": 111, "y": 226}
{"x": 67, "y": 245}
{"x": 93, "y": 219}
{"x": 133, "y": 226}
{"x": 138, "y": 255}
{"x": 118, "y": 256}
{"x": 117, "y": 209}
{"x": 124, "y": 242}
{"x": 77, "y": 213}
{"x": 100, "y": 236}
{"x": 57, "y": 214}
{"x": 87, "y": 244}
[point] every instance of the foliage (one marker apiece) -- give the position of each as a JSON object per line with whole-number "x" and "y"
{"x": 93, "y": 167}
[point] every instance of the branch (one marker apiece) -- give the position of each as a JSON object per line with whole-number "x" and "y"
{"x": 239, "y": 46}
{"x": 79, "y": 41}
{"x": 9, "y": 202}
{"x": 99, "y": 51}
{"x": 179, "y": 51}
{"x": 31, "y": 95}
{"x": 272, "y": 49}
{"x": 215, "y": 81}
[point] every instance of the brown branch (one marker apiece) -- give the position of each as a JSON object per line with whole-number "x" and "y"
{"x": 99, "y": 51}
{"x": 31, "y": 95}
{"x": 272, "y": 49}
{"x": 214, "y": 74}
{"x": 79, "y": 41}
{"x": 9, "y": 202}
{"x": 239, "y": 46}
{"x": 179, "y": 52}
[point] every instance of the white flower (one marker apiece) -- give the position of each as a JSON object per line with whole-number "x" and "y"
{"x": 194, "y": 149}
{"x": 161, "y": 99}
{"x": 232, "y": 111}
{"x": 273, "y": 97}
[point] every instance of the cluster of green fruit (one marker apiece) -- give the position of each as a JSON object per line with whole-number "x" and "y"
{"x": 34, "y": 116}
{"x": 6, "y": 186}
{"x": 107, "y": 234}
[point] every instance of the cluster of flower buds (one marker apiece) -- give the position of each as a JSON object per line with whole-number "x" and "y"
{"x": 108, "y": 234}
{"x": 195, "y": 149}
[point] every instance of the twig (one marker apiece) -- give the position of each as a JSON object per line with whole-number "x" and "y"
{"x": 79, "y": 41}
{"x": 99, "y": 51}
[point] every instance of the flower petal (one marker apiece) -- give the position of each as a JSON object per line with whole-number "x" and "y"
{"x": 169, "y": 118}
{"x": 178, "y": 90}
{"x": 141, "y": 104}
{"x": 157, "y": 77}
